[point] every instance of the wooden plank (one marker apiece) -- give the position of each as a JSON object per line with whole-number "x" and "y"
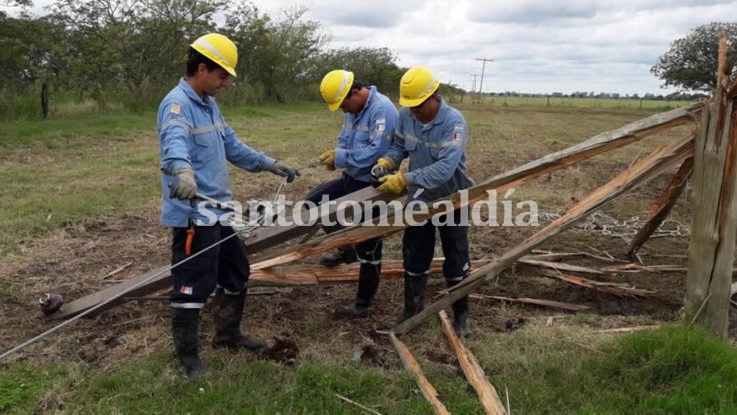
{"x": 141, "y": 285}
{"x": 641, "y": 172}
{"x": 535, "y": 301}
{"x": 662, "y": 207}
{"x": 428, "y": 391}
{"x": 260, "y": 240}
{"x": 711, "y": 251}
{"x": 630, "y": 329}
{"x": 559, "y": 266}
{"x": 607, "y": 287}
{"x": 472, "y": 370}
{"x": 584, "y": 150}
{"x": 596, "y": 145}
{"x": 271, "y": 236}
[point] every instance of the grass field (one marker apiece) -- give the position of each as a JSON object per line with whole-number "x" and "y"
{"x": 81, "y": 197}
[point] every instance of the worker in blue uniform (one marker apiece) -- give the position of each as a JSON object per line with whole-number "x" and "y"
{"x": 195, "y": 145}
{"x": 432, "y": 135}
{"x": 368, "y": 125}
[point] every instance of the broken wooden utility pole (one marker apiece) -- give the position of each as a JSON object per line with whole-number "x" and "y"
{"x": 644, "y": 170}
{"x": 596, "y": 145}
{"x": 259, "y": 244}
{"x": 662, "y": 207}
{"x": 711, "y": 251}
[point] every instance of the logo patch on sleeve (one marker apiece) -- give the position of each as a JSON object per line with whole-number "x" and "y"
{"x": 176, "y": 109}
{"x": 186, "y": 290}
{"x": 380, "y": 125}
{"x": 457, "y": 132}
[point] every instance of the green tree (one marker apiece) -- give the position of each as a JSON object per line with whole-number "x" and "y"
{"x": 691, "y": 63}
{"x": 374, "y": 66}
{"x": 274, "y": 54}
{"x": 16, "y": 3}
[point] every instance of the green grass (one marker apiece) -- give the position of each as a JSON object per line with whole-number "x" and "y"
{"x": 257, "y": 387}
{"x": 582, "y": 103}
{"x": 84, "y": 166}
{"x": 673, "y": 370}
{"x": 80, "y": 167}
{"x": 669, "y": 371}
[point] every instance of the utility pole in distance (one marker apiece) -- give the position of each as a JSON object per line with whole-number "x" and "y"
{"x": 483, "y": 67}
{"x": 473, "y": 86}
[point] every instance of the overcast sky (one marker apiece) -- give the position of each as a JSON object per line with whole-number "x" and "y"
{"x": 536, "y": 45}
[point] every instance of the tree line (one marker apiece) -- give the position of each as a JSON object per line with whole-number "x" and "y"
{"x": 131, "y": 52}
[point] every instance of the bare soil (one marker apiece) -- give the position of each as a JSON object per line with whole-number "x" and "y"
{"x": 79, "y": 259}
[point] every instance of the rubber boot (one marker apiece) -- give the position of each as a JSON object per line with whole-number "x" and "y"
{"x": 414, "y": 295}
{"x": 227, "y": 312}
{"x": 460, "y": 314}
{"x": 185, "y": 325}
{"x": 368, "y": 283}
{"x": 345, "y": 255}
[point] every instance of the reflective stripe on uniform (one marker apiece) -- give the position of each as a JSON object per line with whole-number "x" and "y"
{"x": 417, "y": 274}
{"x": 366, "y": 261}
{"x": 430, "y": 144}
{"x": 227, "y": 292}
{"x": 173, "y": 123}
{"x": 187, "y": 305}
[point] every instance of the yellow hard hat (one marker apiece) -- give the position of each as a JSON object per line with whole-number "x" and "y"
{"x": 417, "y": 84}
{"x": 335, "y": 86}
{"x": 218, "y": 49}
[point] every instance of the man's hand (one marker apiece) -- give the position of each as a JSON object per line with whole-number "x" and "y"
{"x": 393, "y": 183}
{"x": 381, "y": 168}
{"x": 328, "y": 159}
{"x": 184, "y": 186}
{"x": 284, "y": 171}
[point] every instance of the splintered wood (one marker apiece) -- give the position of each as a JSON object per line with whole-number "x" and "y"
{"x": 472, "y": 370}
{"x": 711, "y": 251}
{"x": 428, "y": 391}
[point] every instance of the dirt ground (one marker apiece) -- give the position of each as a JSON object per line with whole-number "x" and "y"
{"x": 79, "y": 259}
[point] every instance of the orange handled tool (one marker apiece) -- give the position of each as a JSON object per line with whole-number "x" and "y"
{"x": 188, "y": 244}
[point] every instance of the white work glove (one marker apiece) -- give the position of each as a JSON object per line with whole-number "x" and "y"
{"x": 184, "y": 186}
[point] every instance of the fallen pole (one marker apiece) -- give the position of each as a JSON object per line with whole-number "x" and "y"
{"x": 472, "y": 370}
{"x": 428, "y": 391}
{"x": 641, "y": 172}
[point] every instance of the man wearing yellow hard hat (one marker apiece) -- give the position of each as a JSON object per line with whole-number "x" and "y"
{"x": 368, "y": 125}
{"x": 195, "y": 144}
{"x": 433, "y": 135}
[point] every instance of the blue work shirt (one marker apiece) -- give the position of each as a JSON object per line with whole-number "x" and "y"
{"x": 366, "y": 136}
{"x": 193, "y": 133}
{"x": 436, "y": 151}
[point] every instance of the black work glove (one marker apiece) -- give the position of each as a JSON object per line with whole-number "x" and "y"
{"x": 284, "y": 171}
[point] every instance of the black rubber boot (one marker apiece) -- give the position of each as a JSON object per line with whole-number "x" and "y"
{"x": 368, "y": 283}
{"x": 340, "y": 256}
{"x": 460, "y": 314}
{"x": 185, "y": 325}
{"x": 414, "y": 295}
{"x": 227, "y": 312}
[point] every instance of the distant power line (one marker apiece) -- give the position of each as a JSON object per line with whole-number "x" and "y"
{"x": 483, "y": 67}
